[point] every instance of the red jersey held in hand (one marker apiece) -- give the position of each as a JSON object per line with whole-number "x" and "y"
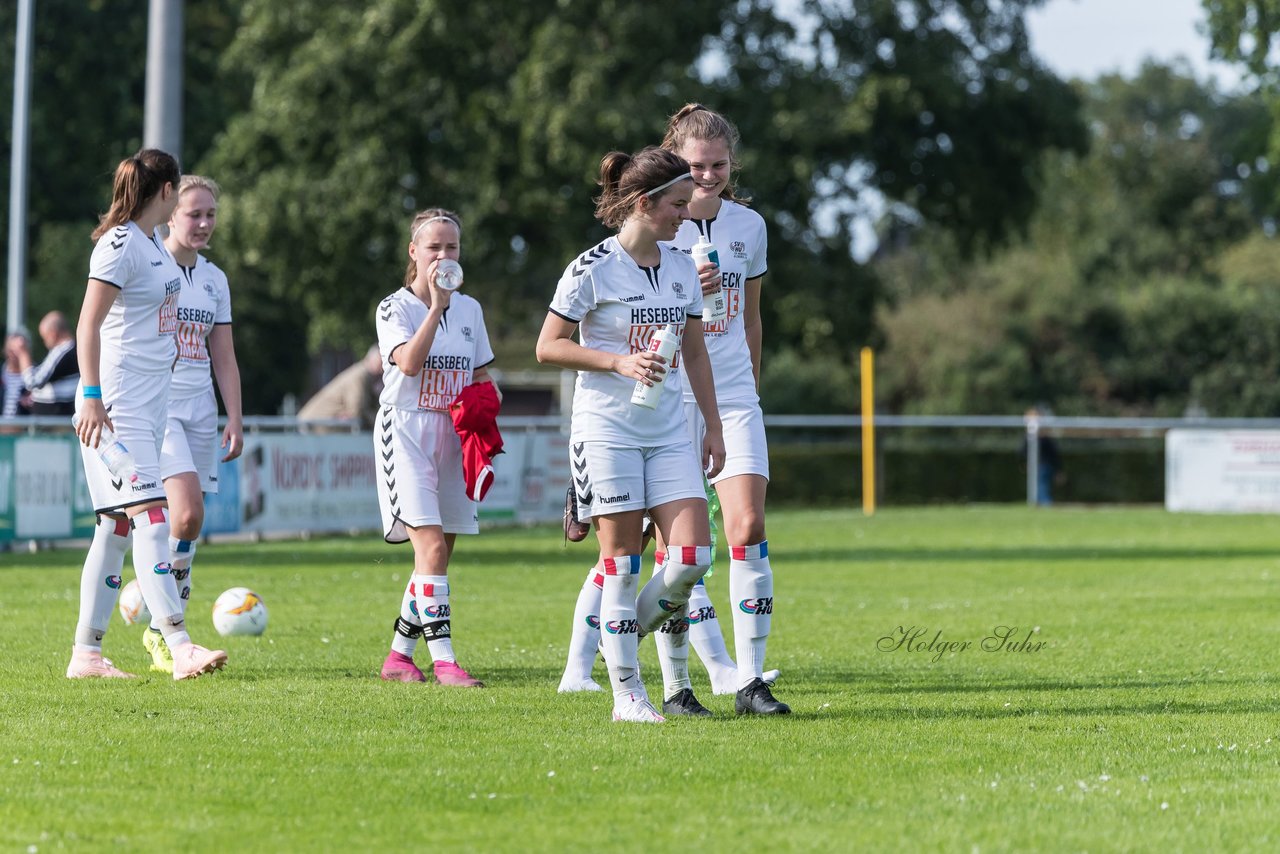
{"x": 475, "y": 417}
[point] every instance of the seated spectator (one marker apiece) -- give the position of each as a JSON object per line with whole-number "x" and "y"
{"x": 352, "y": 394}
{"x": 53, "y": 382}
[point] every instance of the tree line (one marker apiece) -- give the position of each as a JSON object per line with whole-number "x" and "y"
{"x": 1088, "y": 244}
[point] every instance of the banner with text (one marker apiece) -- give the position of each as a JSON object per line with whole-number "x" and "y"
{"x": 1222, "y": 471}
{"x": 282, "y": 483}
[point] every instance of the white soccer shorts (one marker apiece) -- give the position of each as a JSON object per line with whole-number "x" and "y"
{"x": 191, "y": 440}
{"x": 608, "y": 479}
{"x": 136, "y": 405}
{"x": 746, "y": 449}
{"x": 419, "y": 459}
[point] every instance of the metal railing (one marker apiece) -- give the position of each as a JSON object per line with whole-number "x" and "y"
{"x": 1031, "y": 427}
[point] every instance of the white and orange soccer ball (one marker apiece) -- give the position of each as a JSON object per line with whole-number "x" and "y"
{"x": 239, "y": 611}
{"x": 133, "y": 608}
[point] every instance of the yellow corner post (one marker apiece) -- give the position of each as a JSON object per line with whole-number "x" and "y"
{"x": 868, "y": 433}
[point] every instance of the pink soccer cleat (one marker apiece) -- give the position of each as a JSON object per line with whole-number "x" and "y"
{"x": 400, "y": 668}
{"x": 449, "y": 673}
{"x": 191, "y": 660}
{"x": 91, "y": 665}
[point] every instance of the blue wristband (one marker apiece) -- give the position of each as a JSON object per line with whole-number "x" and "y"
{"x": 93, "y": 391}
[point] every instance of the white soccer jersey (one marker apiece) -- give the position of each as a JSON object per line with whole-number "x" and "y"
{"x": 460, "y": 347}
{"x": 742, "y": 244}
{"x": 205, "y": 302}
{"x": 138, "y": 332}
{"x": 619, "y": 306}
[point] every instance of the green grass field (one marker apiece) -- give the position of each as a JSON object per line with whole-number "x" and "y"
{"x": 1147, "y": 720}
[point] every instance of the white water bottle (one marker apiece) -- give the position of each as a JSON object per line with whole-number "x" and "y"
{"x": 114, "y": 454}
{"x": 716, "y": 304}
{"x": 664, "y": 343}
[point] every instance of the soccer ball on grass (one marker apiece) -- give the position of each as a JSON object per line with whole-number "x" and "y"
{"x": 239, "y": 611}
{"x": 133, "y": 608}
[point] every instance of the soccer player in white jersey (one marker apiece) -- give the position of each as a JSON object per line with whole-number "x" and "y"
{"x": 189, "y": 456}
{"x": 628, "y": 458}
{"x": 126, "y": 348}
{"x": 433, "y": 344}
{"x": 709, "y": 143}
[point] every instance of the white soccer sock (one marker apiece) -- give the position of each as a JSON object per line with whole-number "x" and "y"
{"x": 100, "y": 582}
{"x": 672, "y": 642}
{"x": 706, "y": 637}
{"x": 619, "y": 631}
{"x": 751, "y": 593}
{"x": 151, "y": 563}
{"x": 408, "y": 626}
{"x": 181, "y": 555}
{"x": 670, "y": 588}
{"x": 585, "y": 636}
{"x": 432, "y": 599}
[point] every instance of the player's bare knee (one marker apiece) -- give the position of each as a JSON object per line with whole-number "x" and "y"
{"x": 746, "y": 529}
{"x": 186, "y": 523}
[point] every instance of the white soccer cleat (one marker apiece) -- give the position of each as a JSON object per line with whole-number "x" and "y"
{"x": 770, "y": 676}
{"x": 636, "y": 709}
{"x": 571, "y": 685}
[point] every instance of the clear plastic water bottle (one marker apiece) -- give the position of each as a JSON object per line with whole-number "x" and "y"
{"x": 664, "y": 343}
{"x": 114, "y": 455}
{"x": 448, "y": 275}
{"x": 717, "y": 305}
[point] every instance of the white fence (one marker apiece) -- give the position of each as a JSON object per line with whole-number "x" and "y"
{"x": 320, "y": 477}
{"x": 316, "y": 479}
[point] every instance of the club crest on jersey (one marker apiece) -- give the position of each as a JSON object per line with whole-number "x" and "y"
{"x": 678, "y": 287}
{"x": 466, "y": 333}
{"x": 739, "y": 249}
{"x": 210, "y": 290}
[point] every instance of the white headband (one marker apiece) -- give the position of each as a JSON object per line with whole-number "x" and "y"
{"x": 674, "y": 180}
{"x": 425, "y": 222}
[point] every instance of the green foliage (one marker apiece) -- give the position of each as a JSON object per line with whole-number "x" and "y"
{"x": 798, "y": 384}
{"x": 349, "y": 130}
{"x": 1119, "y": 299}
{"x": 329, "y": 123}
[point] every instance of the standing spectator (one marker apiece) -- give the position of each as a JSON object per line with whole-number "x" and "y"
{"x": 53, "y": 382}
{"x": 15, "y": 401}
{"x": 352, "y": 394}
{"x": 1050, "y": 463}
{"x": 127, "y": 350}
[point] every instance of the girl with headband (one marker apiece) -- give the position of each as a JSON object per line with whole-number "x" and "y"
{"x": 626, "y": 458}
{"x": 433, "y": 344}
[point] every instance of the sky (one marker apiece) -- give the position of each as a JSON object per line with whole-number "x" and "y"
{"x": 1085, "y": 38}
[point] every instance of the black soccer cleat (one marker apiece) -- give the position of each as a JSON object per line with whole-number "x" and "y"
{"x": 684, "y": 704}
{"x": 574, "y": 530}
{"x": 757, "y": 699}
